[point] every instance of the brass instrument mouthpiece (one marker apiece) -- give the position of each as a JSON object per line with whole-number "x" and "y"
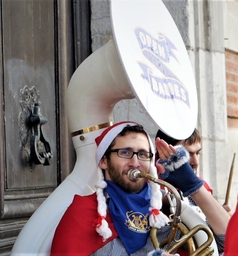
{"x": 134, "y": 174}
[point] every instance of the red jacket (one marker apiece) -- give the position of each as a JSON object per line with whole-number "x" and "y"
{"x": 76, "y": 233}
{"x": 207, "y": 186}
{"x": 231, "y": 240}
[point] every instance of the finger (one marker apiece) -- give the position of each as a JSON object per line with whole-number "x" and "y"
{"x": 173, "y": 149}
{"x": 164, "y": 154}
{"x": 160, "y": 168}
{"x": 227, "y": 207}
{"x": 164, "y": 149}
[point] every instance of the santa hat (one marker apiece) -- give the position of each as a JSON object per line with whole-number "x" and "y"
{"x": 157, "y": 219}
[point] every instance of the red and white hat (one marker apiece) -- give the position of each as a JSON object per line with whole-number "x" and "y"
{"x": 157, "y": 219}
{"x": 108, "y": 135}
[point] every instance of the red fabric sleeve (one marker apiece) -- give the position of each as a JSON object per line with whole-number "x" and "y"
{"x": 231, "y": 240}
{"x": 76, "y": 234}
{"x": 208, "y": 187}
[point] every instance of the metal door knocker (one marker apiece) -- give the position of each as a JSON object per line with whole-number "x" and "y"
{"x": 35, "y": 149}
{"x": 40, "y": 151}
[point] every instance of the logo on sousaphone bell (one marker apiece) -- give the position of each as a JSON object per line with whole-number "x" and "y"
{"x": 160, "y": 52}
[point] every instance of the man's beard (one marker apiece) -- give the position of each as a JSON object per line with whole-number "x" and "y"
{"x": 119, "y": 179}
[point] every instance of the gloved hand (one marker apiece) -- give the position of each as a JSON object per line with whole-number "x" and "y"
{"x": 179, "y": 173}
{"x": 160, "y": 252}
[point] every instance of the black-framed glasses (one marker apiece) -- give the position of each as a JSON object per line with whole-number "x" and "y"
{"x": 128, "y": 154}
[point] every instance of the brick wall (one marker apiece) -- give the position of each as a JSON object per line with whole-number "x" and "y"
{"x": 232, "y": 88}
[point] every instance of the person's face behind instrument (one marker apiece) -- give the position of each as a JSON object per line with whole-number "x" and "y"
{"x": 194, "y": 151}
{"x": 116, "y": 168}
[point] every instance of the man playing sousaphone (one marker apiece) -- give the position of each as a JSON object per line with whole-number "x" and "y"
{"x": 116, "y": 220}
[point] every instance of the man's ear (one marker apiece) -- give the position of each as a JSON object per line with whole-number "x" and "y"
{"x": 103, "y": 163}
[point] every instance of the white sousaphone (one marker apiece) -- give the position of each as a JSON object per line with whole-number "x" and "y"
{"x": 146, "y": 60}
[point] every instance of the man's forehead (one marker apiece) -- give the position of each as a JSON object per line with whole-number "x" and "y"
{"x": 132, "y": 139}
{"x": 195, "y": 147}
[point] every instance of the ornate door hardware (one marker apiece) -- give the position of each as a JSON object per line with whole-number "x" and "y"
{"x": 35, "y": 147}
{"x": 40, "y": 151}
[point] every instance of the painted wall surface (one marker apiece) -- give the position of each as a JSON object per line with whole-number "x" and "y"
{"x": 207, "y": 29}
{"x": 231, "y": 46}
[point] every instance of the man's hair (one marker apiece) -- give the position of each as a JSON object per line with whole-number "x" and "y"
{"x": 195, "y": 137}
{"x": 126, "y": 130}
{"x": 166, "y": 138}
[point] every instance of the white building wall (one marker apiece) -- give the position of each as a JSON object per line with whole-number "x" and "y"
{"x": 231, "y": 43}
{"x": 211, "y": 87}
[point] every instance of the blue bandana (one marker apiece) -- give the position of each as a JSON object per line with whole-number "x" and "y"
{"x": 130, "y": 215}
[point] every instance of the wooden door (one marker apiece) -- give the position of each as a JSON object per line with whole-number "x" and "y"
{"x": 39, "y": 53}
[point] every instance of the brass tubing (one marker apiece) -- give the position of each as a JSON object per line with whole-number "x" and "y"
{"x": 190, "y": 234}
{"x": 176, "y": 217}
{"x": 176, "y": 224}
{"x": 172, "y": 188}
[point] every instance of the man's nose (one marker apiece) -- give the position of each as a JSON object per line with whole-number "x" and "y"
{"x": 194, "y": 159}
{"x": 134, "y": 161}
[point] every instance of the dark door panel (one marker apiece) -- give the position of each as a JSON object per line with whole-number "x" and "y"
{"x": 28, "y": 78}
{"x": 42, "y": 42}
